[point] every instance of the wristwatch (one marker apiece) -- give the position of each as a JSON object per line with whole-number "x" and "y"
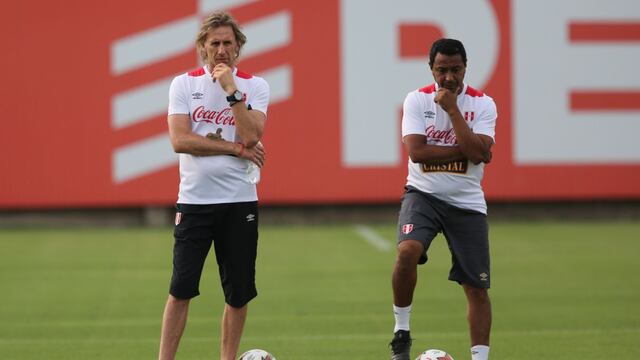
{"x": 234, "y": 98}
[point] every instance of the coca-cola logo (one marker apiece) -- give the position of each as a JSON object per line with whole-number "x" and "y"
{"x": 223, "y": 117}
{"x": 441, "y": 136}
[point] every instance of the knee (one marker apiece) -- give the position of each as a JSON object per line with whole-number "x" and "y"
{"x": 408, "y": 253}
{"x": 477, "y": 295}
{"x": 172, "y": 300}
{"x": 235, "y": 308}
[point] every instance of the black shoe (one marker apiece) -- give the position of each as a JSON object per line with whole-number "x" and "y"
{"x": 401, "y": 345}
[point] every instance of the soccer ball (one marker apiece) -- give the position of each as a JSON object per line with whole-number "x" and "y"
{"x": 256, "y": 354}
{"x": 434, "y": 354}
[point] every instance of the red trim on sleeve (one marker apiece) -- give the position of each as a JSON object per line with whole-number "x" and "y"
{"x": 473, "y": 92}
{"x": 243, "y": 75}
{"x": 198, "y": 72}
{"x": 429, "y": 89}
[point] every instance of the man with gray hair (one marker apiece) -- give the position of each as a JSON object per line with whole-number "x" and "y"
{"x": 216, "y": 120}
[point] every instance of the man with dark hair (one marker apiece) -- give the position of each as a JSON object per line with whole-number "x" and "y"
{"x": 216, "y": 120}
{"x": 448, "y": 129}
{"x": 448, "y": 47}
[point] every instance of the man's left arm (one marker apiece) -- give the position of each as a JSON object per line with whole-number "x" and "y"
{"x": 249, "y": 122}
{"x": 476, "y": 147}
{"x": 484, "y": 126}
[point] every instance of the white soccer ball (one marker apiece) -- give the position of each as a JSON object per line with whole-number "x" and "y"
{"x": 434, "y": 354}
{"x": 256, "y": 354}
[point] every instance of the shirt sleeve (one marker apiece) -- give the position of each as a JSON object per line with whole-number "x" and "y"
{"x": 178, "y": 96}
{"x": 486, "y": 124}
{"x": 412, "y": 118}
{"x": 259, "y": 99}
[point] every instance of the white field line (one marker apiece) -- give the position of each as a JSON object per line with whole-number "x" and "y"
{"x": 155, "y": 321}
{"x": 372, "y": 237}
{"x": 462, "y": 334}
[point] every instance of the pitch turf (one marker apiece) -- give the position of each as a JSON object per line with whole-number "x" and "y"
{"x": 568, "y": 291}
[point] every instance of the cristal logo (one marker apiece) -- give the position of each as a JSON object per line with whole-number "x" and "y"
{"x": 148, "y": 101}
{"x": 224, "y": 117}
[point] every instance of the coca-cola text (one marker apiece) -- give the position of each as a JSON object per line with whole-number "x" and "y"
{"x": 442, "y": 136}
{"x": 224, "y": 117}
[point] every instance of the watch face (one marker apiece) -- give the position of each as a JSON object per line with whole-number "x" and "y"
{"x": 237, "y": 96}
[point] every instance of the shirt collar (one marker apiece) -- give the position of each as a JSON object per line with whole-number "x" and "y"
{"x": 206, "y": 70}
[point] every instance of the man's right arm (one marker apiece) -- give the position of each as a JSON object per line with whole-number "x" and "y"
{"x": 420, "y": 152}
{"x": 186, "y": 141}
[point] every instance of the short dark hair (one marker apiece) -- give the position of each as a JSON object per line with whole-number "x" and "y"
{"x": 447, "y": 47}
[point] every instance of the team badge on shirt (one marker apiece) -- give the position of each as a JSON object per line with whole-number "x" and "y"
{"x": 469, "y": 115}
{"x": 407, "y": 228}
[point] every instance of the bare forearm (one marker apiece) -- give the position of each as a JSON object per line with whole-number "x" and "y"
{"x": 435, "y": 154}
{"x": 201, "y": 146}
{"x": 248, "y": 125}
{"x": 471, "y": 146}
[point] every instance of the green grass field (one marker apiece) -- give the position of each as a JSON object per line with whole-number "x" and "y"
{"x": 567, "y": 291}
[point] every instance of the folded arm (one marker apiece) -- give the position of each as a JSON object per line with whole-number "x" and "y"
{"x": 420, "y": 152}
{"x": 249, "y": 124}
{"x": 185, "y": 141}
{"x": 475, "y": 147}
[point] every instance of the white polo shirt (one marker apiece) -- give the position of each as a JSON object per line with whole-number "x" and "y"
{"x": 214, "y": 179}
{"x": 457, "y": 183}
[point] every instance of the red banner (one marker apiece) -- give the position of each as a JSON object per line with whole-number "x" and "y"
{"x": 85, "y": 90}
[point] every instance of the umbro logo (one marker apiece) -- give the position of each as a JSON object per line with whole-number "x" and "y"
{"x": 197, "y": 95}
{"x": 484, "y": 277}
{"x": 251, "y": 217}
{"x": 429, "y": 114}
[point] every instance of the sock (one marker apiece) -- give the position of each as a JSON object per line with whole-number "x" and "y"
{"x": 480, "y": 352}
{"x": 402, "y": 315}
